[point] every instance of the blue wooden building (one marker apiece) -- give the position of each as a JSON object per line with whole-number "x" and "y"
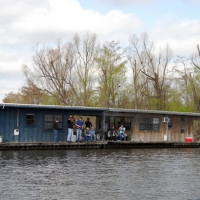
{"x": 33, "y": 123}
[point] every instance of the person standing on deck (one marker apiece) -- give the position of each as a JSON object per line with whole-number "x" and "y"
{"x": 79, "y": 128}
{"x": 55, "y": 130}
{"x": 70, "y": 128}
{"x": 88, "y": 123}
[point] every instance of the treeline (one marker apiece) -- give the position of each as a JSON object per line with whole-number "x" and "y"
{"x": 82, "y": 72}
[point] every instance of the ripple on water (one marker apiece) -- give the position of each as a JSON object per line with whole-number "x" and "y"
{"x": 100, "y": 174}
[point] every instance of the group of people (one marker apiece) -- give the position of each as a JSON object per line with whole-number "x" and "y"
{"x": 114, "y": 134}
{"x": 86, "y": 130}
{"x": 89, "y": 132}
{"x": 81, "y": 127}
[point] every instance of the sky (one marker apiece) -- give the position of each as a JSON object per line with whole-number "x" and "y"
{"x": 24, "y": 24}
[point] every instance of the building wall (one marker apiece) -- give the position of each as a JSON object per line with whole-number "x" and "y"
{"x": 174, "y": 133}
{"x": 12, "y": 119}
{"x": 15, "y": 119}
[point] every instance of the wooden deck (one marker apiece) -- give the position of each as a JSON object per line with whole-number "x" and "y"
{"x": 96, "y": 145}
{"x": 153, "y": 145}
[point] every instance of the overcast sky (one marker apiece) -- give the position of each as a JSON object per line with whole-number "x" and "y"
{"x": 26, "y": 23}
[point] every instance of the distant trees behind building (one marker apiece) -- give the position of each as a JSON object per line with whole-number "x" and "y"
{"x": 82, "y": 72}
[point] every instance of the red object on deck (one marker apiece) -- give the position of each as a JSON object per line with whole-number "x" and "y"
{"x": 189, "y": 139}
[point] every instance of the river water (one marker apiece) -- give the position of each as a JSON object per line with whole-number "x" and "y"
{"x": 134, "y": 174}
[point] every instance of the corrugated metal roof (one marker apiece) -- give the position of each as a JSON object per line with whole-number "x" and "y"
{"x": 38, "y": 106}
{"x": 161, "y": 112}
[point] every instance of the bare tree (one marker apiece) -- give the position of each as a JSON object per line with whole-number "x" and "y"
{"x": 198, "y": 48}
{"x": 52, "y": 72}
{"x": 138, "y": 81}
{"x": 86, "y": 50}
{"x": 155, "y": 66}
{"x": 195, "y": 60}
{"x": 183, "y": 85}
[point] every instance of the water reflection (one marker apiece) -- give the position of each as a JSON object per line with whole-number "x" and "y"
{"x": 100, "y": 174}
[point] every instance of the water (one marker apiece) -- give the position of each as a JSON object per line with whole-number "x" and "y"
{"x": 149, "y": 174}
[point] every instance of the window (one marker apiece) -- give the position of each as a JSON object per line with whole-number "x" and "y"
{"x": 182, "y": 125}
{"x": 170, "y": 123}
{"x": 127, "y": 123}
{"x": 30, "y": 119}
{"x": 142, "y": 123}
{"x": 156, "y": 123}
{"x": 149, "y": 123}
{"x": 49, "y": 119}
{"x": 112, "y": 122}
{"x": 117, "y": 121}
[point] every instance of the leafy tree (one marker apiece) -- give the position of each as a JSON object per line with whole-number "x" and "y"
{"x": 112, "y": 78}
{"x": 12, "y": 97}
{"x": 82, "y": 73}
{"x": 183, "y": 84}
{"x": 27, "y": 95}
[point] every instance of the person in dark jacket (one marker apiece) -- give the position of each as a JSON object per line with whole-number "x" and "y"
{"x": 55, "y": 130}
{"x": 88, "y": 123}
{"x": 70, "y": 128}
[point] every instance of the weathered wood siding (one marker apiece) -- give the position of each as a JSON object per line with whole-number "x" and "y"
{"x": 173, "y": 134}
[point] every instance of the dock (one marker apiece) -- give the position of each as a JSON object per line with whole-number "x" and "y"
{"x": 95, "y": 145}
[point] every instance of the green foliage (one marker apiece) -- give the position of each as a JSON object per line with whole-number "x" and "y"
{"x": 112, "y": 69}
{"x": 82, "y": 73}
